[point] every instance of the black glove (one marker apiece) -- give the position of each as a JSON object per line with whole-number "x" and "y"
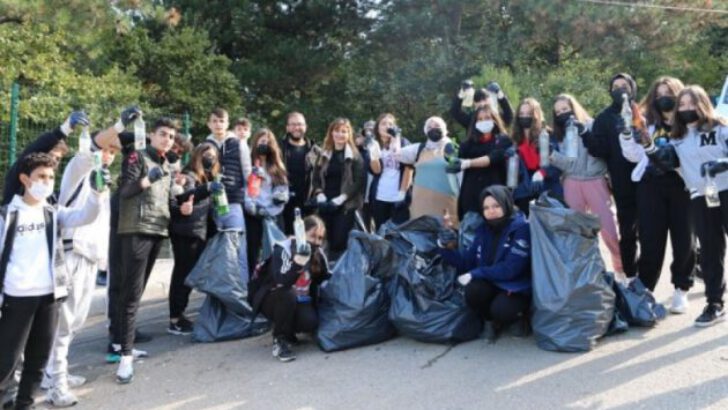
{"x": 493, "y": 87}
{"x": 130, "y": 114}
{"x": 155, "y": 174}
{"x": 446, "y": 237}
{"x": 454, "y": 166}
{"x": 580, "y": 128}
{"x": 394, "y": 131}
{"x": 103, "y": 175}
{"x": 713, "y": 168}
{"x": 327, "y": 207}
{"x": 497, "y": 155}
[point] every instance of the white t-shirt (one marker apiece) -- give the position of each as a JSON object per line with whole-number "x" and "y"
{"x": 389, "y": 181}
{"x": 28, "y": 272}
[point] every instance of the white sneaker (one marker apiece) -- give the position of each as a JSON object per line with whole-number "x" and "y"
{"x": 125, "y": 373}
{"x": 72, "y": 380}
{"x": 61, "y": 397}
{"x": 680, "y": 302}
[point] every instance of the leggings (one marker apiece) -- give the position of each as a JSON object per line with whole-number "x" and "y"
{"x": 493, "y": 303}
{"x": 289, "y": 317}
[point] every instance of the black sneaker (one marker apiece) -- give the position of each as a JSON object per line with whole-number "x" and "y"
{"x": 712, "y": 314}
{"x": 101, "y": 278}
{"x": 140, "y": 337}
{"x": 181, "y": 328}
{"x": 282, "y": 351}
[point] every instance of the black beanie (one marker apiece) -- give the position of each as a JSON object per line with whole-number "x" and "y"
{"x": 630, "y": 81}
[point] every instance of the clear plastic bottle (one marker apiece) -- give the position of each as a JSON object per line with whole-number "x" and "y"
{"x": 512, "y": 172}
{"x": 544, "y": 145}
{"x": 712, "y": 197}
{"x": 571, "y": 139}
{"x": 626, "y": 115}
{"x": 220, "y": 200}
{"x": 299, "y": 230}
{"x": 140, "y": 134}
{"x": 84, "y": 141}
{"x": 98, "y": 165}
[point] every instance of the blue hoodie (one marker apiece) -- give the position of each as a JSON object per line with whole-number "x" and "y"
{"x": 511, "y": 268}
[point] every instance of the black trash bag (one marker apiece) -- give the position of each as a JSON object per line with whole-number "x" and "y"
{"x": 636, "y": 304}
{"x": 619, "y": 323}
{"x": 470, "y": 223}
{"x": 216, "y": 323}
{"x": 426, "y": 304}
{"x": 354, "y": 302}
{"x": 272, "y": 235}
{"x": 218, "y": 272}
{"x": 573, "y": 303}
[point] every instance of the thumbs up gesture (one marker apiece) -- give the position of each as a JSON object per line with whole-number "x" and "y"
{"x": 186, "y": 207}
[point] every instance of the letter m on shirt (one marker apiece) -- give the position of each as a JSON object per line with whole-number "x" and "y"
{"x": 708, "y": 139}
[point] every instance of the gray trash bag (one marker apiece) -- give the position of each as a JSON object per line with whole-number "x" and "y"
{"x": 216, "y": 323}
{"x": 218, "y": 273}
{"x": 272, "y": 235}
{"x": 354, "y": 302}
{"x": 470, "y": 223}
{"x": 573, "y": 303}
{"x": 426, "y": 304}
{"x": 636, "y": 304}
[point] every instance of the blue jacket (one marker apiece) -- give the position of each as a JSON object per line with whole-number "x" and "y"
{"x": 511, "y": 269}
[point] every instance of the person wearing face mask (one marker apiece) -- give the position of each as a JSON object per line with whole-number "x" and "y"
{"x": 431, "y": 190}
{"x": 273, "y": 194}
{"x": 285, "y": 287}
{"x": 536, "y": 178}
{"x": 338, "y": 184}
{"x": 584, "y": 177}
{"x": 481, "y": 159}
{"x": 299, "y": 154}
{"x": 481, "y": 97}
{"x": 188, "y": 229}
{"x": 144, "y": 217}
{"x": 661, "y": 198}
{"x": 603, "y": 142}
{"x": 31, "y": 285}
{"x": 699, "y": 147}
{"x": 496, "y": 269}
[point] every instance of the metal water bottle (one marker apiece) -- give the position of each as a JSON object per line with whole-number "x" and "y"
{"x": 140, "y": 134}
{"x": 544, "y": 146}
{"x": 512, "y": 171}
{"x": 571, "y": 139}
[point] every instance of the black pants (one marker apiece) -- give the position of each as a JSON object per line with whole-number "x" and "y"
{"x": 27, "y": 328}
{"x": 627, "y": 218}
{"x": 493, "y": 303}
{"x": 138, "y": 254}
{"x": 661, "y": 205}
{"x": 711, "y": 225}
{"x": 338, "y": 226}
{"x": 112, "y": 272}
{"x": 289, "y": 317}
{"x": 254, "y": 229}
{"x": 187, "y": 251}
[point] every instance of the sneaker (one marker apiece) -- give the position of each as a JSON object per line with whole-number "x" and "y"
{"x": 680, "y": 302}
{"x": 101, "y": 278}
{"x": 712, "y": 314}
{"x": 181, "y": 327}
{"x": 490, "y": 331}
{"x": 61, "y": 397}
{"x": 282, "y": 351}
{"x": 141, "y": 337}
{"x": 72, "y": 380}
{"x": 125, "y": 372}
{"x": 113, "y": 354}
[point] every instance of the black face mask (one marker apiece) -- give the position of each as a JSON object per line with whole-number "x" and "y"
{"x": 525, "y": 122}
{"x": 563, "y": 118}
{"x": 688, "y": 116}
{"x": 172, "y": 157}
{"x": 498, "y": 223}
{"x": 665, "y": 104}
{"x": 262, "y": 150}
{"x": 617, "y": 95}
{"x": 434, "y": 135}
{"x": 207, "y": 163}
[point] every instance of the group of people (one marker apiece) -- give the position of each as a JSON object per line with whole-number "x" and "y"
{"x": 658, "y": 158}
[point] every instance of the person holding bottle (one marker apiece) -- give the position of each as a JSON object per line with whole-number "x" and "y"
{"x": 480, "y": 98}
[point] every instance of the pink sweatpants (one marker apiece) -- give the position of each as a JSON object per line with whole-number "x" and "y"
{"x": 593, "y": 195}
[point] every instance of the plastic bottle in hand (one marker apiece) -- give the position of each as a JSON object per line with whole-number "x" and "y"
{"x": 299, "y": 229}
{"x": 712, "y": 197}
{"x": 99, "y": 179}
{"x": 140, "y": 134}
{"x": 571, "y": 139}
{"x": 467, "y": 91}
{"x": 544, "y": 146}
{"x": 254, "y": 182}
{"x": 220, "y": 201}
{"x": 512, "y": 171}
{"x": 84, "y": 141}
{"x": 626, "y": 115}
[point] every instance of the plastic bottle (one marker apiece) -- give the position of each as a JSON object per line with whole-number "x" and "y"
{"x": 140, "y": 134}
{"x": 254, "y": 182}
{"x": 712, "y": 197}
{"x": 512, "y": 171}
{"x": 99, "y": 180}
{"x": 626, "y": 115}
{"x": 220, "y": 200}
{"x": 84, "y": 141}
{"x": 571, "y": 139}
{"x": 544, "y": 146}
{"x": 299, "y": 229}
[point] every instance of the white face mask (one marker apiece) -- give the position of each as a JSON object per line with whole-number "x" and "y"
{"x": 40, "y": 191}
{"x": 484, "y": 126}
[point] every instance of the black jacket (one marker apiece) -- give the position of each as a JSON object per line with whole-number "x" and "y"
{"x": 475, "y": 180}
{"x": 301, "y": 193}
{"x": 465, "y": 118}
{"x": 195, "y": 224}
{"x": 603, "y": 142}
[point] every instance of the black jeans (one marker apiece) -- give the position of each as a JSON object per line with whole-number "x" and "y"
{"x": 338, "y": 226}
{"x": 27, "y": 327}
{"x": 493, "y": 303}
{"x": 112, "y": 272}
{"x": 187, "y": 251}
{"x": 289, "y": 317}
{"x": 711, "y": 225}
{"x": 661, "y": 205}
{"x": 627, "y": 218}
{"x": 254, "y": 238}
{"x": 138, "y": 254}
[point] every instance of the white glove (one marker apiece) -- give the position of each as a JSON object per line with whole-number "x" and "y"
{"x": 465, "y": 278}
{"x": 465, "y": 164}
{"x": 537, "y": 177}
{"x": 249, "y": 206}
{"x": 339, "y": 200}
{"x": 374, "y": 151}
{"x": 401, "y": 195}
{"x": 321, "y": 198}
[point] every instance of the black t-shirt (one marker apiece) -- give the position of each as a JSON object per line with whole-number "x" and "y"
{"x": 333, "y": 175}
{"x": 296, "y": 167}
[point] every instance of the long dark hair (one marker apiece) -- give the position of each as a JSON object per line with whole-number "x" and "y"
{"x": 652, "y": 114}
{"x": 536, "y": 125}
{"x": 707, "y": 118}
{"x": 499, "y": 127}
{"x": 579, "y": 113}
{"x": 314, "y": 222}
{"x": 274, "y": 160}
{"x": 195, "y": 166}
